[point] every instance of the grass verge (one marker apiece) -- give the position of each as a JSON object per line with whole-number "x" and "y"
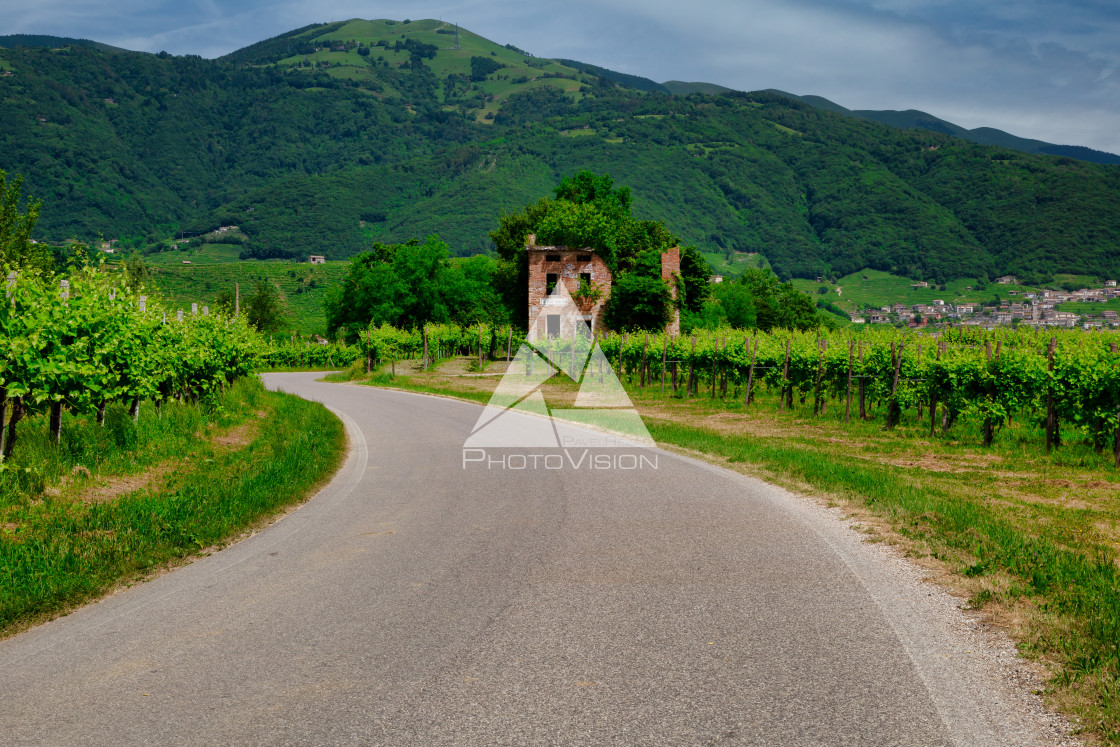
{"x": 114, "y": 504}
{"x": 1028, "y": 538}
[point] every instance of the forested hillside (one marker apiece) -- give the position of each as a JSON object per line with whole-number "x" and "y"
{"x": 336, "y": 135}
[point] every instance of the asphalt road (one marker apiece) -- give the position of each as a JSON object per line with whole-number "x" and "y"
{"x": 415, "y": 602}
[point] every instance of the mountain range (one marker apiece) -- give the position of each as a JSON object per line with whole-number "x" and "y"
{"x": 331, "y": 136}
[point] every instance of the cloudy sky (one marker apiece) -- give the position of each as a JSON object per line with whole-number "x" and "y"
{"x": 1035, "y": 68}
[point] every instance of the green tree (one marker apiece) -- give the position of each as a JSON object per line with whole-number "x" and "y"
{"x": 409, "y": 285}
{"x": 587, "y": 211}
{"x": 638, "y": 303}
{"x": 264, "y": 309}
{"x": 696, "y": 279}
{"x": 17, "y": 252}
{"x": 737, "y": 304}
{"x": 585, "y": 187}
{"x": 780, "y": 305}
{"x": 225, "y": 303}
{"x": 136, "y": 272}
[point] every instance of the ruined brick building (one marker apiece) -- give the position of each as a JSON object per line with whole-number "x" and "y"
{"x": 550, "y": 265}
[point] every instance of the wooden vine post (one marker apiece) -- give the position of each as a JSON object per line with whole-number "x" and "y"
{"x": 664, "y": 358}
{"x": 601, "y": 357}
{"x": 18, "y": 411}
{"x": 750, "y": 372}
{"x": 621, "y": 360}
{"x": 3, "y": 419}
{"x": 933, "y": 400}
{"x": 921, "y": 408}
{"x": 989, "y": 428}
{"x": 785, "y": 380}
{"x": 1115, "y": 442}
{"x": 690, "y": 385}
{"x": 892, "y": 415}
{"x": 574, "y": 373}
{"x": 862, "y": 386}
{"x": 56, "y": 423}
{"x": 369, "y": 353}
{"x": 480, "y": 346}
{"x": 715, "y": 372}
{"x": 818, "y": 404}
{"x": 642, "y": 365}
{"x": 509, "y": 347}
{"x": 723, "y": 373}
{"x": 424, "y": 334}
{"x": 848, "y": 396}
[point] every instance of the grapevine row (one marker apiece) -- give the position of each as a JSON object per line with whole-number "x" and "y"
{"x": 1068, "y": 380}
{"x": 85, "y": 341}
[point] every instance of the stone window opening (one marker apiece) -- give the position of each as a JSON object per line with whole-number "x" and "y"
{"x": 550, "y": 282}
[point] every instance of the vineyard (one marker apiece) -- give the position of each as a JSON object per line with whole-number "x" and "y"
{"x": 1069, "y": 381}
{"x": 83, "y": 342}
{"x": 86, "y": 341}
{"x": 304, "y": 356}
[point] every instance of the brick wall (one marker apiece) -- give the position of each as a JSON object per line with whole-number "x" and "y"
{"x": 670, "y": 269}
{"x": 568, "y": 264}
{"x": 568, "y": 267}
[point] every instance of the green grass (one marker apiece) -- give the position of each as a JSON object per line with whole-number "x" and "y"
{"x": 783, "y": 128}
{"x": 579, "y": 133}
{"x": 875, "y": 288}
{"x": 448, "y": 61}
{"x": 1112, "y": 304}
{"x": 1085, "y": 281}
{"x": 207, "y": 254}
{"x": 733, "y": 266}
{"x": 872, "y": 288}
{"x": 63, "y": 543}
{"x": 183, "y": 284}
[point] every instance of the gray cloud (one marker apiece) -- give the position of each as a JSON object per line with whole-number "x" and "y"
{"x": 1036, "y": 68}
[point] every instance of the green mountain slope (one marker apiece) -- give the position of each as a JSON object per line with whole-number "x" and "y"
{"x": 625, "y": 80}
{"x": 331, "y": 136}
{"x": 815, "y": 193}
{"x": 52, "y": 42}
{"x": 914, "y": 119}
{"x": 681, "y": 88}
{"x": 465, "y": 72}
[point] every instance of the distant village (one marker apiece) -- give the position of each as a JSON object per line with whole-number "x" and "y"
{"x": 1035, "y": 309}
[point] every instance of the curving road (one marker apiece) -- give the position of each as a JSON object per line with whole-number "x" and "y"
{"x": 415, "y": 602}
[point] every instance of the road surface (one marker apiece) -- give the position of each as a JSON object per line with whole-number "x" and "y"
{"x": 415, "y": 602}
